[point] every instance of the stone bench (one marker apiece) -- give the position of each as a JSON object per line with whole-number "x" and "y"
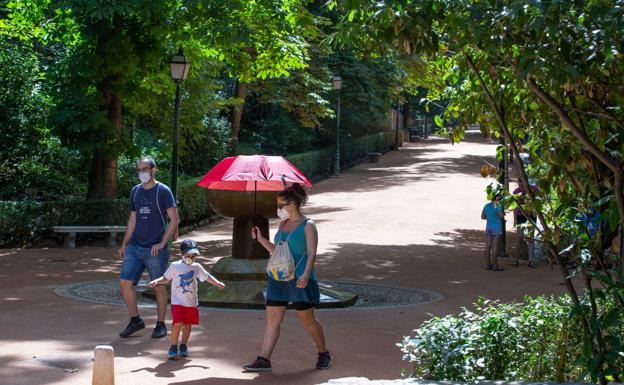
{"x": 70, "y": 236}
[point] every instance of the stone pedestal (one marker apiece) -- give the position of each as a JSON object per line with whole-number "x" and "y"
{"x": 244, "y": 272}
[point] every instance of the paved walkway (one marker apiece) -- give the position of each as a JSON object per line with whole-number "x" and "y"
{"x": 411, "y": 220}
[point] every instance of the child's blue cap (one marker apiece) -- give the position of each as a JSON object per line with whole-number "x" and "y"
{"x": 189, "y": 246}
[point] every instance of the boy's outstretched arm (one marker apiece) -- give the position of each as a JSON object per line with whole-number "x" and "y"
{"x": 205, "y": 276}
{"x": 213, "y": 281}
{"x": 158, "y": 281}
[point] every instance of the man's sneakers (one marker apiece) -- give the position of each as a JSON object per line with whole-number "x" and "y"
{"x": 261, "y": 364}
{"x": 173, "y": 352}
{"x": 137, "y": 324}
{"x": 134, "y": 326}
{"x": 183, "y": 350}
{"x": 160, "y": 330}
{"x": 324, "y": 361}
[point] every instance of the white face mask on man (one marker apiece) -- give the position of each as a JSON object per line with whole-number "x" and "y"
{"x": 145, "y": 177}
{"x": 188, "y": 260}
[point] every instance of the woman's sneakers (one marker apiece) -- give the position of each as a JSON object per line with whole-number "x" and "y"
{"x": 324, "y": 361}
{"x": 261, "y": 364}
{"x": 183, "y": 350}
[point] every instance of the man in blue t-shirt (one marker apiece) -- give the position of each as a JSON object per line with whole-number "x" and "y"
{"x": 153, "y": 221}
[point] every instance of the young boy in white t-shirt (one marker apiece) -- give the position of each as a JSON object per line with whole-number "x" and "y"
{"x": 184, "y": 304}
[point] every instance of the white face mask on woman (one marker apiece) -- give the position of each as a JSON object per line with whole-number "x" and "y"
{"x": 282, "y": 213}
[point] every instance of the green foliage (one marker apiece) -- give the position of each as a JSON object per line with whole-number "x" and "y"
{"x": 193, "y": 205}
{"x": 25, "y": 222}
{"x": 314, "y": 164}
{"x": 368, "y": 92}
{"x": 33, "y": 163}
{"x": 320, "y": 163}
{"x": 270, "y": 129}
{"x": 256, "y": 39}
{"x": 352, "y": 150}
{"x": 536, "y": 340}
{"x": 546, "y": 76}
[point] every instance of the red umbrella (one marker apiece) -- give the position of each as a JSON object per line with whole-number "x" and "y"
{"x": 253, "y": 173}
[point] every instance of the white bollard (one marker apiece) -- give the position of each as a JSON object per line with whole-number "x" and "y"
{"x": 103, "y": 368}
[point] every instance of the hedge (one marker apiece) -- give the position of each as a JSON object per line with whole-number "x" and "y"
{"x": 22, "y": 223}
{"x": 352, "y": 150}
{"x": 193, "y": 205}
{"x": 27, "y": 222}
{"x": 320, "y": 163}
{"x": 314, "y": 164}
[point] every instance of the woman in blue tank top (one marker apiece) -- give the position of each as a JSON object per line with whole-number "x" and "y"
{"x": 303, "y": 291}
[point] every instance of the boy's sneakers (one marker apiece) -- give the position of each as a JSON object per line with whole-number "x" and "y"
{"x": 160, "y": 330}
{"x": 183, "y": 350}
{"x": 133, "y": 326}
{"x": 324, "y": 361}
{"x": 261, "y": 364}
{"x": 173, "y": 352}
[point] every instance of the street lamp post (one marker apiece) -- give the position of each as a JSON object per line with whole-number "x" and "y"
{"x": 337, "y": 86}
{"x": 179, "y": 68}
{"x": 398, "y": 142}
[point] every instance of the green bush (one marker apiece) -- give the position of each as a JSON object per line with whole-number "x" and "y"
{"x": 193, "y": 203}
{"x": 27, "y": 222}
{"x": 352, "y": 150}
{"x": 320, "y": 163}
{"x": 314, "y": 164}
{"x": 531, "y": 341}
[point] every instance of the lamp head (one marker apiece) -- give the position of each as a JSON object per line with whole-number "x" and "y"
{"x": 337, "y": 80}
{"x": 179, "y": 66}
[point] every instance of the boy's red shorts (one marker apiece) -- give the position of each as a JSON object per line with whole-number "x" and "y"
{"x": 185, "y": 315}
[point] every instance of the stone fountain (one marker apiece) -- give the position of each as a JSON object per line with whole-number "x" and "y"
{"x": 244, "y": 271}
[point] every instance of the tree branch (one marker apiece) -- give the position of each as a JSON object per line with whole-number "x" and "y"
{"x": 528, "y": 190}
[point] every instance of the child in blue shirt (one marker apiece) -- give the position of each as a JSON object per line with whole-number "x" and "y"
{"x": 493, "y": 212}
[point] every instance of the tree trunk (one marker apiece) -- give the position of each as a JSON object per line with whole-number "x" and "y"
{"x": 237, "y": 114}
{"x": 103, "y": 174}
{"x": 406, "y": 116}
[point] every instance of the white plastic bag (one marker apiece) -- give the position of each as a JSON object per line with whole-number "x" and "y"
{"x": 281, "y": 264}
